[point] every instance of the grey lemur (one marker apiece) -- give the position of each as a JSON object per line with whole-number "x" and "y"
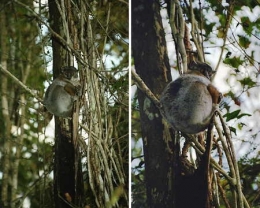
{"x": 62, "y": 93}
{"x": 190, "y": 101}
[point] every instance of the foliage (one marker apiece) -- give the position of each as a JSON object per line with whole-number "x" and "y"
{"x": 249, "y": 167}
{"x": 25, "y": 149}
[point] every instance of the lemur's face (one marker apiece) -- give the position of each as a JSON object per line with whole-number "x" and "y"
{"x": 203, "y": 68}
{"x": 207, "y": 72}
{"x": 69, "y": 72}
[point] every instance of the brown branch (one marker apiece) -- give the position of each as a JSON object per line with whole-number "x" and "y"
{"x": 200, "y": 149}
{"x": 195, "y": 34}
{"x": 225, "y": 147}
{"x": 143, "y": 87}
{"x": 207, "y": 152}
{"x": 222, "y": 192}
{"x": 177, "y": 25}
{"x": 233, "y": 158}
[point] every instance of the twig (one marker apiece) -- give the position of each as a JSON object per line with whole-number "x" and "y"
{"x": 229, "y": 18}
{"x": 207, "y": 162}
{"x": 143, "y": 87}
{"x": 232, "y": 152}
{"x": 177, "y": 25}
{"x": 225, "y": 148}
{"x": 125, "y": 2}
{"x": 18, "y": 82}
{"x": 227, "y": 153}
{"x": 200, "y": 149}
{"x": 222, "y": 192}
{"x": 194, "y": 34}
{"x": 106, "y": 30}
{"x": 201, "y": 31}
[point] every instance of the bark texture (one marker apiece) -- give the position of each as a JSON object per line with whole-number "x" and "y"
{"x": 152, "y": 65}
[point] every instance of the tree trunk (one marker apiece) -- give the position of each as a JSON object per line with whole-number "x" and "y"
{"x": 152, "y": 65}
{"x": 6, "y": 116}
{"x": 67, "y": 170}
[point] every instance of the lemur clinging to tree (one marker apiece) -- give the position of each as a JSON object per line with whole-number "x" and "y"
{"x": 62, "y": 93}
{"x": 190, "y": 101}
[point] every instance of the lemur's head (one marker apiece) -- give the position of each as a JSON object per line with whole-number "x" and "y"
{"x": 202, "y": 68}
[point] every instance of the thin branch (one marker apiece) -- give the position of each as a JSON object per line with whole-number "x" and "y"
{"x": 177, "y": 24}
{"x": 194, "y": 34}
{"x": 143, "y": 87}
{"x": 229, "y": 18}
{"x": 18, "y": 82}
{"x": 232, "y": 152}
{"x": 201, "y": 31}
{"x": 200, "y": 149}
{"x": 106, "y": 30}
{"x": 125, "y": 2}
{"x": 225, "y": 148}
{"x": 222, "y": 192}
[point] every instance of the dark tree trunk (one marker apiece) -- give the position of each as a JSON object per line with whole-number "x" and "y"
{"x": 68, "y": 180}
{"x": 152, "y": 65}
{"x": 58, "y": 51}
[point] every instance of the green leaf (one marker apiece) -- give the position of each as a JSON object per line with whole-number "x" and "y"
{"x": 241, "y": 125}
{"x": 232, "y": 115}
{"x": 243, "y": 114}
{"x": 221, "y": 32}
{"x": 247, "y": 82}
{"x": 235, "y": 114}
{"x": 247, "y": 25}
{"x": 232, "y": 129}
{"x": 234, "y": 62}
{"x": 244, "y": 42}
